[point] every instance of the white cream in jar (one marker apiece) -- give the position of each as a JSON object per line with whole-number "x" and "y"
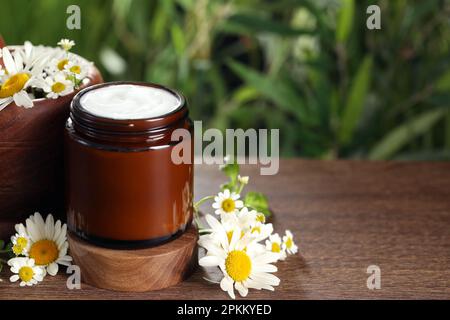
{"x": 127, "y": 101}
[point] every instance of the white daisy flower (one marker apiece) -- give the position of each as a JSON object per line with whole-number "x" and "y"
{"x": 20, "y": 241}
{"x": 58, "y": 86}
{"x": 242, "y": 266}
{"x": 66, "y": 44}
{"x": 244, "y": 218}
{"x": 57, "y": 63}
{"x": 226, "y": 202}
{"x": 260, "y": 231}
{"x": 289, "y": 244}
{"x": 77, "y": 68}
{"x": 18, "y": 77}
{"x": 49, "y": 244}
{"x": 273, "y": 244}
{"x": 26, "y": 271}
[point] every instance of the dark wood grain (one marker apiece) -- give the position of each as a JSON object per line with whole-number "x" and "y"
{"x": 346, "y": 215}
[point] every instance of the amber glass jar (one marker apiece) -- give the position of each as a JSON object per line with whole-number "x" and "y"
{"x": 122, "y": 187}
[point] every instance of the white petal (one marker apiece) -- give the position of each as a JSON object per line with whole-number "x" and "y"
{"x": 216, "y": 205}
{"x": 49, "y": 227}
{"x": 8, "y": 61}
{"x": 267, "y": 257}
{"x": 52, "y": 269}
{"x": 238, "y": 204}
{"x": 266, "y": 278}
{"x": 227, "y": 285}
{"x": 22, "y": 99}
{"x": 18, "y": 60}
{"x": 33, "y": 230}
{"x": 62, "y": 236}
{"x": 39, "y": 277}
{"x": 39, "y": 220}
{"x": 57, "y": 230}
{"x": 265, "y": 268}
{"x": 209, "y": 261}
{"x": 243, "y": 291}
{"x": 14, "y": 278}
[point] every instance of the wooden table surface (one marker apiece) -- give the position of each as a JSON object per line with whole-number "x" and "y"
{"x": 345, "y": 215}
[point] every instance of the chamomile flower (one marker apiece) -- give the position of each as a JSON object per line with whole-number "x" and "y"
{"x": 244, "y": 218}
{"x": 274, "y": 244}
{"x": 260, "y": 231}
{"x": 77, "y": 68}
{"x": 58, "y": 86}
{"x": 16, "y": 79}
{"x": 66, "y": 44}
{"x": 20, "y": 241}
{"x": 26, "y": 271}
{"x": 288, "y": 243}
{"x": 227, "y": 202}
{"x": 241, "y": 265}
{"x": 49, "y": 244}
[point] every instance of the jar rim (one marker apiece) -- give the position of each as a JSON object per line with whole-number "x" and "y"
{"x": 79, "y": 115}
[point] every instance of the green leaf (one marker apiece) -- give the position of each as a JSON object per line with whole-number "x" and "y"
{"x": 178, "y": 40}
{"x": 231, "y": 170}
{"x": 282, "y": 94}
{"x": 257, "y": 201}
{"x": 345, "y": 20}
{"x": 443, "y": 83}
{"x": 400, "y": 136}
{"x": 2, "y": 244}
{"x": 355, "y": 100}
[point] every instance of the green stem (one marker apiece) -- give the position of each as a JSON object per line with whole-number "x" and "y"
{"x": 199, "y": 202}
{"x": 241, "y": 187}
{"x": 197, "y": 220}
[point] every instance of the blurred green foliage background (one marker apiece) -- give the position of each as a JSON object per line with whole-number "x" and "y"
{"x": 311, "y": 68}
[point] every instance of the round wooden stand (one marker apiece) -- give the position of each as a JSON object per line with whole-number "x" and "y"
{"x": 136, "y": 270}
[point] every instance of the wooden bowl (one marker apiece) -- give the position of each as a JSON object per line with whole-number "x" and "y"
{"x": 31, "y": 158}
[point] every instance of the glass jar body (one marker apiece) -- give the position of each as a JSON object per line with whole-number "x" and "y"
{"x": 123, "y": 188}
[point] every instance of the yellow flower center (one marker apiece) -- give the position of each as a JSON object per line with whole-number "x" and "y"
{"x": 26, "y": 273}
{"x": 22, "y": 241}
{"x": 17, "y": 249}
{"x": 20, "y": 245}
{"x": 261, "y": 218}
{"x": 58, "y": 87}
{"x": 289, "y": 243}
{"x": 75, "y": 69}
{"x": 44, "y": 252}
{"x": 276, "y": 247}
{"x": 256, "y": 229}
{"x": 238, "y": 265}
{"x": 13, "y": 85}
{"x": 62, "y": 64}
{"x": 228, "y": 205}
